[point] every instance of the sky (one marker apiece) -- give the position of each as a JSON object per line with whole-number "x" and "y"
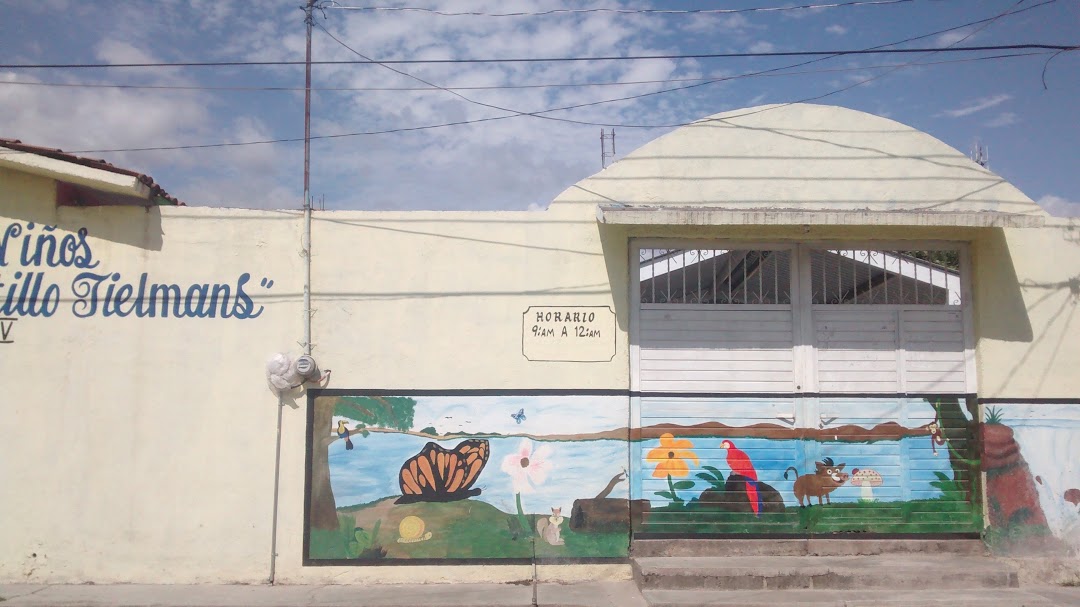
{"x": 1024, "y": 110}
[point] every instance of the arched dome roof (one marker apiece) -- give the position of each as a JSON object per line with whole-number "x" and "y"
{"x": 800, "y": 158}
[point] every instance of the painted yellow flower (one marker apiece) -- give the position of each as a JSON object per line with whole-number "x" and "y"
{"x": 671, "y": 457}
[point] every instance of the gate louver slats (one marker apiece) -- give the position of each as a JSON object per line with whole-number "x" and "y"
{"x": 716, "y": 350}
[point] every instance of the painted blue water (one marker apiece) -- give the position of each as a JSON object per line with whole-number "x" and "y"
{"x": 580, "y": 469}
{"x": 907, "y": 466}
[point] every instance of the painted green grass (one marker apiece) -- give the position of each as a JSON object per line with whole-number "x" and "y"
{"x": 461, "y": 529}
{"x": 326, "y": 544}
{"x": 915, "y": 516}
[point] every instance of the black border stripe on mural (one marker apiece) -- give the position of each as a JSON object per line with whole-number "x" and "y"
{"x": 845, "y": 535}
{"x": 309, "y": 442}
{"x": 1029, "y": 401}
{"x": 317, "y": 392}
{"x": 926, "y": 395}
{"x": 547, "y": 560}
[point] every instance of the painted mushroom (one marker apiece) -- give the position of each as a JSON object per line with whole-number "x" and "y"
{"x": 867, "y": 479}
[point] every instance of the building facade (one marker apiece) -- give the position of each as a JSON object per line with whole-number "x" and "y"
{"x": 785, "y": 321}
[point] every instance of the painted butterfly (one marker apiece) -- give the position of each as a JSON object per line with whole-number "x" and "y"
{"x": 519, "y": 416}
{"x": 440, "y": 475}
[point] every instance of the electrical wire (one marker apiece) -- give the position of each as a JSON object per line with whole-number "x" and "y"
{"x": 385, "y": 131}
{"x": 833, "y": 53}
{"x": 494, "y": 118}
{"x": 391, "y": 131}
{"x": 619, "y": 11}
{"x": 494, "y": 87}
{"x": 985, "y": 24}
{"x": 543, "y": 114}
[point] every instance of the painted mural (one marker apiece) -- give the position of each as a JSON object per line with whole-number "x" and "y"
{"x": 419, "y": 476}
{"x": 805, "y": 466}
{"x": 1032, "y": 479}
{"x": 411, "y": 476}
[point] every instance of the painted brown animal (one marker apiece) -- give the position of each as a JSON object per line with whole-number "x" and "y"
{"x": 825, "y": 479}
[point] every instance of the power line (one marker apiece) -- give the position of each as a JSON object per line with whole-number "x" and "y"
{"x": 985, "y": 24}
{"x": 542, "y": 114}
{"x": 406, "y": 129}
{"x": 1010, "y": 12}
{"x": 494, "y": 87}
{"x": 834, "y": 53}
{"x": 619, "y": 11}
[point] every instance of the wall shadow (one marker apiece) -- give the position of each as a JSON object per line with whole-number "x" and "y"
{"x": 135, "y": 226}
{"x": 1002, "y": 313}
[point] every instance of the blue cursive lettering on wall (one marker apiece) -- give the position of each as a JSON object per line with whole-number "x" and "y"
{"x": 44, "y": 249}
{"x": 105, "y": 293}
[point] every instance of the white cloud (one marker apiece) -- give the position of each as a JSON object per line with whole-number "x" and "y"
{"x": 762, "y": 46}
{"x": 801, "y": 13}
{"x": 977, "y": 106}
{"x": 507, "y": 163}
{"x": 706, "y": 23}
{"x": 1061, "y": 207}
{"x": 955, "y": 36}
{"x": 1003, "y": 119}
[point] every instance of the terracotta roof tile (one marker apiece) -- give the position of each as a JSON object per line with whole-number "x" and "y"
{"x": 57, "y": 154}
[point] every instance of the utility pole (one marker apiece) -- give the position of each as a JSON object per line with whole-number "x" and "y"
{"x": 306, "y": 252}
{"x": 309, "y": 21}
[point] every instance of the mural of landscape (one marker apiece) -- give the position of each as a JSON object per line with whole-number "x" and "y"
{"x": 420, "y": 476}
{"x": 427, "y": 476}
{"x": 718, "y": 466}
{"x": 1032, "y": 478}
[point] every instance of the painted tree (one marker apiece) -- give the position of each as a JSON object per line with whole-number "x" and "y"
{"x": 961, "y": 439}
{"x": 391, "y": 412}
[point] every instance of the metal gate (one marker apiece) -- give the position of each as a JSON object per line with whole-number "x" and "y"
{"x": 791, "y": 389}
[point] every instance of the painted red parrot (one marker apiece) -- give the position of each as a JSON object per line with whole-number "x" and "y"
{"x": 740, "y": 464}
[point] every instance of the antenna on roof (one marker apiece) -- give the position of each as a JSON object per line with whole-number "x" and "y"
{"x": 980, "y": 155}
{"x": 604, "y": 154}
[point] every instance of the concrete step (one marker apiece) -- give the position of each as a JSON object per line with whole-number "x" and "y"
{"x": 864, "y": 598}
{"x": 908, "y": 571}
{"x": 804, "y": 547}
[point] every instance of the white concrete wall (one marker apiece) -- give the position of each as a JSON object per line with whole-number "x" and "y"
{"x": 1027, "y": 286}
{"x": 142, "y": 449}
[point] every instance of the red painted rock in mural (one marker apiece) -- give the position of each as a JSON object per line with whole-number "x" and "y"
{"x": 1010, "y": 487}
{"x": 734, "y": 497}
{"x": 1073, "y": 496}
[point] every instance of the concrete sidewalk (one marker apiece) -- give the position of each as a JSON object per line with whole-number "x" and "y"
{"x": 591, "y": 594}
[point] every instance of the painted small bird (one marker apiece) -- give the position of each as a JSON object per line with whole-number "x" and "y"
{"x": 740, "y": 464}
{"x": 343, "y": 432}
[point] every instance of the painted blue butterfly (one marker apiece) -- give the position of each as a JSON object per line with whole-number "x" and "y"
{"x": 519, "y": 416}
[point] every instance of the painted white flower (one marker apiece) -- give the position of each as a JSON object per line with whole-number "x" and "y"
{"x": 526, "y": 466}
